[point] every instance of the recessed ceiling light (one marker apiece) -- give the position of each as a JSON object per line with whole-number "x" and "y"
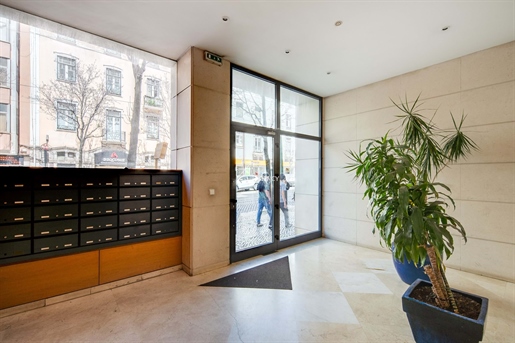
{"x": 445, "y": 28}
{"x": 338, "y": 23}
{"x": 287, "y": 51}
{"x": 328, "y": 73}
{"x": 225, "y": 18}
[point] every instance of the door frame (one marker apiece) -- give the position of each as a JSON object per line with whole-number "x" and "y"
{"x": 276, "y": 133}
{"x": 262, "y": 249}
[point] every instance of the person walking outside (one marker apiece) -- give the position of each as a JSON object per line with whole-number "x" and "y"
{"x": 283, "y": 200}
{"x": 264, "y": 200}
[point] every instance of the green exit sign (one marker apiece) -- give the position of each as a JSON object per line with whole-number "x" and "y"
{"x": 210, "y": 57}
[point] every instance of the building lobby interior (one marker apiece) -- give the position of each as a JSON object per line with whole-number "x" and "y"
{"x": 356, "y": 58}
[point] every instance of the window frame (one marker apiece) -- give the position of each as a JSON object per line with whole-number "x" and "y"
{"x": 67, "y": 67}
{"x": 7, "y": 67}
{"x": 6, "y": 114}
{"x": 153, "y": 88}
{"x": 155, "y": 121}
{"x": 110, "y": 114}
{"x": 59, "y": 112}
{"x": 110, "y": 78}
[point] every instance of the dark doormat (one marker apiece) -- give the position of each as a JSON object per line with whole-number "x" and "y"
{"x": 272, "y": 275}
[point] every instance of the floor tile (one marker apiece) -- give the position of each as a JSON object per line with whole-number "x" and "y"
{"x": 360, "y": 283}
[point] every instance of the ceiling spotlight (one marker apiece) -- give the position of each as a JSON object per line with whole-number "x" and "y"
{"x": 328, "y": 73}
{"x": 287, "y": 51}
{"x": 225, "y": 18}
{"x": 338, "y": 23}
{"x": 445, "y": 28}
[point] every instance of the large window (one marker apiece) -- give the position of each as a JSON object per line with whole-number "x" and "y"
{"x": 66, "y": 116}
{"x": 4, "y": 72}
{"x": 66, "y": 68}
{"x": 113, "y": 125}
{"x": 4, "y": 112}
{"x": 77, "y": 95}
{"x": 114, "y": 81}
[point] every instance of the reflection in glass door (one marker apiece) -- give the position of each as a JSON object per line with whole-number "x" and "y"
{"x": 254, "y": 190}
{"x": 299, "y": 187}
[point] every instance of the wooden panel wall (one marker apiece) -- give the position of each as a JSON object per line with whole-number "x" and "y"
{"x": 130, "y": 260}
{"x": 25, "y": 282}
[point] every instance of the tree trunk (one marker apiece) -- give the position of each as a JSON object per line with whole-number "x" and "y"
{"x": 138, "y": 71}
{"x": 81, "y": 150}
{"x": 265, "y": 139}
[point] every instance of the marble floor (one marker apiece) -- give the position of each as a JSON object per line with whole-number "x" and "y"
{"x": 341, "y": 293}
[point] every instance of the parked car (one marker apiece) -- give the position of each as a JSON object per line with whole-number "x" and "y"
{"x": 247, "y": 182}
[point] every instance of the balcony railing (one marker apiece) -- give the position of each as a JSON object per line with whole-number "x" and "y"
{"x": 153, "y": 102}
{"x": 113, "y": 138}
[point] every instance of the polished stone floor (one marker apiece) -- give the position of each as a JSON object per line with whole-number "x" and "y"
{"x": 341, "y": 293}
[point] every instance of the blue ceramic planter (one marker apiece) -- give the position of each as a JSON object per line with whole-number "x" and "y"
{"x": 408, "y": 272}
{"x": 430, "y": 324}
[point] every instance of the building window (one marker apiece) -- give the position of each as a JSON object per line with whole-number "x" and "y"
{"x": 239, "y": 139}
{"x": 258, "y": 142}
{"x": 114, "y": 81}
{"x": 152, "y": 127}
{"x": 66, "y": 116}
{"x": 152, "y": 88}
{"x": 66, "y": 68}
{"x": 4, "y": 72}
{"x": 113, "y": 126}
{"x": 4, "y": 29}
{"x": 4, "y": 110}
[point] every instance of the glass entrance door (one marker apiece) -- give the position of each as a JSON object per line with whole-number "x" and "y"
{"x": 253, "y": 193}
{"x": 276, "y": 140}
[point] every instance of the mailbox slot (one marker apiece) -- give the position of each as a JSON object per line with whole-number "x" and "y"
{"x": 134, "y": 193}
{"x": 13, "y": 249}
{"x": 14, "y": 198}
{"x": 163, "y": 216}
{"x": 98, "y": 208}
{"x": 165, "y": 204}
{"x": 134, "y": 218}
{"x": 55, "y": 212}
{"x": 15, "y": 215}
{"x": 99, "y": 194}
{"x": 56, "y": 227}
{"x": 55, "y": 196}
{"x": 96, "y": 237}
{"x": 165, "y": 180}
{"x": 165, "y": 192}
{"x": 96, "y": 223}
{"x": 134, "y": 206}
{"x": 134, "y": 231}
{"x": 55, "y": 243}
{"x": 166, "y": 227}
{"x": 14, "y": 232}
{"x": 134, "y": 180}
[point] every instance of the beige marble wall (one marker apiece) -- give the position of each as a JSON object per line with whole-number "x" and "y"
{"x": 482, "y": 85}
{"x": 203, "y": 108}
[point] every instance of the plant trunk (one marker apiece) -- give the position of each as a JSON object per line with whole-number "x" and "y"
{"x": 435, "y": 275}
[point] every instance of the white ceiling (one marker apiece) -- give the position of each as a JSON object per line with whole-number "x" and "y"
{"x": 377, "y": 39}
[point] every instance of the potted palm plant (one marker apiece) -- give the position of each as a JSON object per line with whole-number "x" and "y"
{"x": 409, "y": 209}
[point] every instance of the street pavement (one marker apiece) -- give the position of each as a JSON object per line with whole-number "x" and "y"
{"x": 248, "y": 234}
